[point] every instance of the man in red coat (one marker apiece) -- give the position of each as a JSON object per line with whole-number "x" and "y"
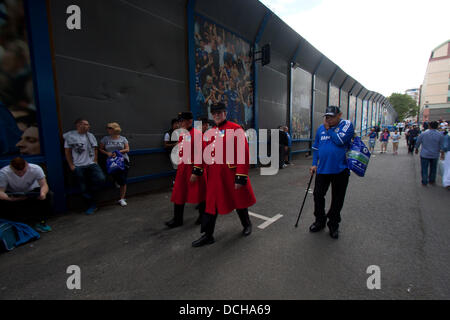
{"x": 226, "y": 159}
{"x": 190, "y": 183}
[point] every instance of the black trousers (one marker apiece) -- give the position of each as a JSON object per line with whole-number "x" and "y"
{"x": 209, "y": 221}
{"x": 29, "y": 211}
{"x": 178, "y": 210}
{"x": 412, "y": 144}
{"x": 339, "y": 183}
{"x": 282, "y": 154}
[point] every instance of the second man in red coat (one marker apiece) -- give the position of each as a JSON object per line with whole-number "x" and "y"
{"x": 190, "y": 183}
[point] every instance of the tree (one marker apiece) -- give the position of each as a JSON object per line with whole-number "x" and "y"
{"x": 404, "y": 105}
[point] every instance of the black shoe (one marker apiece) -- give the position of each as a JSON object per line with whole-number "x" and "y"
{"x": 173, "y": 224}
{"x": 316, "y": 227}
{"x": 334, "y": 233}
{"x": 247, "y": 230}
{"x": 203, "y": 241}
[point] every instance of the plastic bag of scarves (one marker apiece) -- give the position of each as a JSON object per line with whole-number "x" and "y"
{"x": 358, "y": 157}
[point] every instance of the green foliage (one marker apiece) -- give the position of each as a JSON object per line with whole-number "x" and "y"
{"x": 404, "y": 105}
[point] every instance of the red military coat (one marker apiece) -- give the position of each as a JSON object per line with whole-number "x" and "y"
{"x": 184, "y": 191}
{"x": 221, "y": 195}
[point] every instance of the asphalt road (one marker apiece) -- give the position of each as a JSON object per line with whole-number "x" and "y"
{"x": 388, "y": 220}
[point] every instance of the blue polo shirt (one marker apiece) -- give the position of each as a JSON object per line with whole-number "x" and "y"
{"x": 331, "y": 146}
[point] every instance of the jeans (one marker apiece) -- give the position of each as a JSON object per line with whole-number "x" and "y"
{"x": 428, "y": 176}
{"x": 90, "y": 179}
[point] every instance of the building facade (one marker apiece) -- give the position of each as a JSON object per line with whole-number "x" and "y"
{"x": 414, "y": 93}
{"x": 435, "y": 93}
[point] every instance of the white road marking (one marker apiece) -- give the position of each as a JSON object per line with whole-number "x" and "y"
{"x": 268, "y": 222}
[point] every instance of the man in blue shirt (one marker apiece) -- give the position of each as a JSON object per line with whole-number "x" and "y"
{"x": 333, "y": 139}
{"x": 432, "y": 142}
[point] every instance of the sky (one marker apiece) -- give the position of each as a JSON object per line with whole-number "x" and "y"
{"x": 384, "y": 44}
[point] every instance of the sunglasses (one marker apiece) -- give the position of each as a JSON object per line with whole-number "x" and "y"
{"x": 109, "y": 128}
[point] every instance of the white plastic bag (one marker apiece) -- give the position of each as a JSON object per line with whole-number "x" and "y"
{"x": 440, "y": 170}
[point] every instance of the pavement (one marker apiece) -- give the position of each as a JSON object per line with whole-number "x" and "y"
{"x": 389, "y": 220}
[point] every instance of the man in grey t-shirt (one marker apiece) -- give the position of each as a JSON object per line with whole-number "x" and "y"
{"x": 81, "y": 154}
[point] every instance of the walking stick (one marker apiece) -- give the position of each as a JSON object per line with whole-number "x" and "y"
{"x": 307, "y": 190}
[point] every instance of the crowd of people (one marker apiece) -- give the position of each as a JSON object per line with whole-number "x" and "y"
{"x": 432, "y": 139}
{"x": 223, "y": 73}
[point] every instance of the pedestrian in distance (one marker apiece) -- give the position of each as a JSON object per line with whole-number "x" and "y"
{"x": 377, "y": 130}
{"x": 332, "y": 141}
{"x": 407, "y": 128}
{"x": 372, "y": 139}
{"x": 111, "y": 144}
{"x": 283, "y": 141}
{"x": 288, "y": 147}
{"x": 395, "y": 141}
{"x": 190, "y": 182}
{"x": 228, "y": 184}
{"x": 401, "y": 126}
{"x": 384, "y": 139}
{"x": 413, "y": 134}
{"x": 432, "y": 142}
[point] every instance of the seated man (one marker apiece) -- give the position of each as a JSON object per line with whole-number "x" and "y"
{"x": 24, "y": 194}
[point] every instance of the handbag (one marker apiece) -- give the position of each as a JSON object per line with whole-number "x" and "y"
{"x": 358, "y": 157}
{"x": 115, "y": 163}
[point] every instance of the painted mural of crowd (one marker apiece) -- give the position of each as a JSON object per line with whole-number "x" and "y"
{"x": 301, "y": 125}
{"x": 223, "y": 71}
{"x": 19, "y": 132}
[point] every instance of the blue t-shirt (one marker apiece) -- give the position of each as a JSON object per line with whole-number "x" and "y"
{"x": 331, "y": 146}
{"x": 373, "y": 135}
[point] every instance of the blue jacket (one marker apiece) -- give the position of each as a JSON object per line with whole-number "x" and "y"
{"x": 331, "y": 146}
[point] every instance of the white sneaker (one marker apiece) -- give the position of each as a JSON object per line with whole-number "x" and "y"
{"x": 122, "y": 202}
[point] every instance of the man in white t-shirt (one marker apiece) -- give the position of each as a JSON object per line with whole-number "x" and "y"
{"x": 24, "y": 194}
{"x": 81, "y": 150}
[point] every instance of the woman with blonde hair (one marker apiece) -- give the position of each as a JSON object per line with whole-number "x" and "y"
{"x": 111, "y": 144}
